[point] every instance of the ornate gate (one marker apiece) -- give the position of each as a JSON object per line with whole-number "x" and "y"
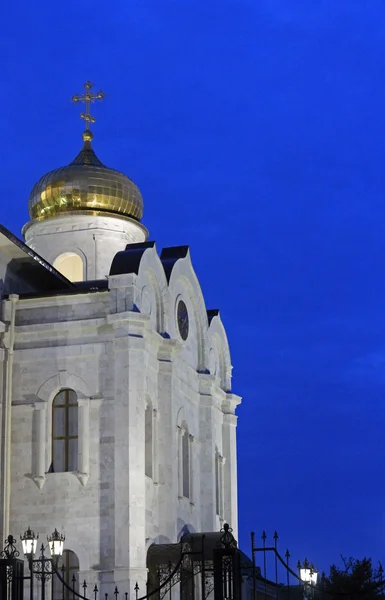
{"x": 11, "y": 572}
{"x": 201, "y": 564}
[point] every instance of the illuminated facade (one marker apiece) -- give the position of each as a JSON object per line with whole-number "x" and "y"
{"x": 118, "y": 422}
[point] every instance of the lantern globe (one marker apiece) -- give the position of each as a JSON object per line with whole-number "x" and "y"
{"x": 56, "y": 543}
{"x": 29, "y": 542}
{"x": 307, "y": 572}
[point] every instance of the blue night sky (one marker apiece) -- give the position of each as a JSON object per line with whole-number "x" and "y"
{"x": 256, "y": 132}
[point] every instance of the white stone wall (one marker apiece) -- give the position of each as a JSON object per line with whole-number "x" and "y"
{"x": 96, "y": 239}
{"x": 117, "y": 360}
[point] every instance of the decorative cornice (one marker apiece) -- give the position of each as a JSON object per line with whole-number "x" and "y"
{"x": 230, "y": 403}
{"x": 168, "y": 349}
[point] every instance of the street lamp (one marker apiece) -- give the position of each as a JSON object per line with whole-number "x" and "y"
{"x": 42, "y": 567}
{"x": 29, "y": 543}
{"x": 307, "y": 572}
{"x": 56, "y": 544}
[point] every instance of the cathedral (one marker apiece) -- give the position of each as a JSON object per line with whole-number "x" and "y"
{"x": 118, "y": 422}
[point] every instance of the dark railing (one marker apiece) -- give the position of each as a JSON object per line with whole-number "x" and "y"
{"x": 44, "y": 570}
{"x": 227, "y": 573}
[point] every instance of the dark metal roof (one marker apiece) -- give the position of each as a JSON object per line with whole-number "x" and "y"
{"x": 163, "y": 554}
{"x": 88, "y": 157}
{"x": 26, "y": 265}
{"x": 212, "y": 313}
{"x": 81, "y": 287}
{"x": 128, "y": 260}
{"x": 198, "y": 544}
{"x": 169, "y": 256}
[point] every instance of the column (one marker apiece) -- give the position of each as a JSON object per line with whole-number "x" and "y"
{"x": 127, "y": 540}
{"x": 191, "y": 469}
{"x": 230, "y": 471}
{"x": 39, "y": 425}
{"x": 83, "y": 440}
{"x": 222, "y": 461}
{"x": 207, "y": 464}
{"x": 168, "y": 446}
{"x": 155, "y": 458}
{"x": 180, "y": 434}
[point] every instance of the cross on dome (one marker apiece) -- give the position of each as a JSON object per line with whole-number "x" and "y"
{"x": 86, "y": 185}
{"x": 87, "y": 98}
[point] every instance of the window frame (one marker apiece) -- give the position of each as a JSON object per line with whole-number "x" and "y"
{"x": 65, "y": 406}
{"x": 65, "y": 256}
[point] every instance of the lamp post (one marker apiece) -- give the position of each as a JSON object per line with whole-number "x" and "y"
{"x": 308, "y": 576}
{"x": 29, "y": 542}
{"x": 42, "y": 567}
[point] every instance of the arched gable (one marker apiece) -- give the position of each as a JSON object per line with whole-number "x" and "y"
{"x": 152, "y": 289}
{"x": 184, "y": 284}
{"x": 219, "y": 346}
{"x": 128, "y": 260}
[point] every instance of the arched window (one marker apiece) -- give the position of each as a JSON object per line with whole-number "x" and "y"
{"x": 185, "y": 463}
{"x": 70, "y": 574}
{"x": 149, "y": 440}
{"x": 70, "y": 265}
{"x": 65, "y": 432}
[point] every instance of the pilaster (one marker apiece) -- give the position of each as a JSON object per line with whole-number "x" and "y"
{"x": 230, "y": 467}
{"x": 83, "y": 440}
{"x": 168, "y": 449}
{"x": 207, "y": 452}
{"x": 129, "y": 459}
{"x": 39, "y": 427}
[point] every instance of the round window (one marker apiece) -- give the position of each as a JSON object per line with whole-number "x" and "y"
{"x": 182, "y": 318}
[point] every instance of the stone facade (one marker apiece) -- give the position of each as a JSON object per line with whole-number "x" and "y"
{"x": 121, "y": 351}
{"x": 95, "y": 239}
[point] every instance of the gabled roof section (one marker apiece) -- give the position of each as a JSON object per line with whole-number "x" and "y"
{"x": 80, "y": 287}
{"x": 24, "y": 270}
{"x": 214, "y": 312}
{"x": 128, "y": 260}
{"x": 170, "y": 256}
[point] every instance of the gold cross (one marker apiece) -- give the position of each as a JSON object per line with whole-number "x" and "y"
{"x": 87, "y": 98}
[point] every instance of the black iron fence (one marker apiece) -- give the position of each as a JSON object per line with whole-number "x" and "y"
{"x": 217, "y": 567}
{"x": 204, "y": 566}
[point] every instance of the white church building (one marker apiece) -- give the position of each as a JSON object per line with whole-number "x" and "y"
{"x": 118, "y": 422}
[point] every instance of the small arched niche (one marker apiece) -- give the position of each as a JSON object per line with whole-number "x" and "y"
{"x": 70, "y": 265}
{"x": 68, "y": 567}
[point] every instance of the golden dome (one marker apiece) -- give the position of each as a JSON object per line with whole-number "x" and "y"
{"x": 85, "y": 185}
